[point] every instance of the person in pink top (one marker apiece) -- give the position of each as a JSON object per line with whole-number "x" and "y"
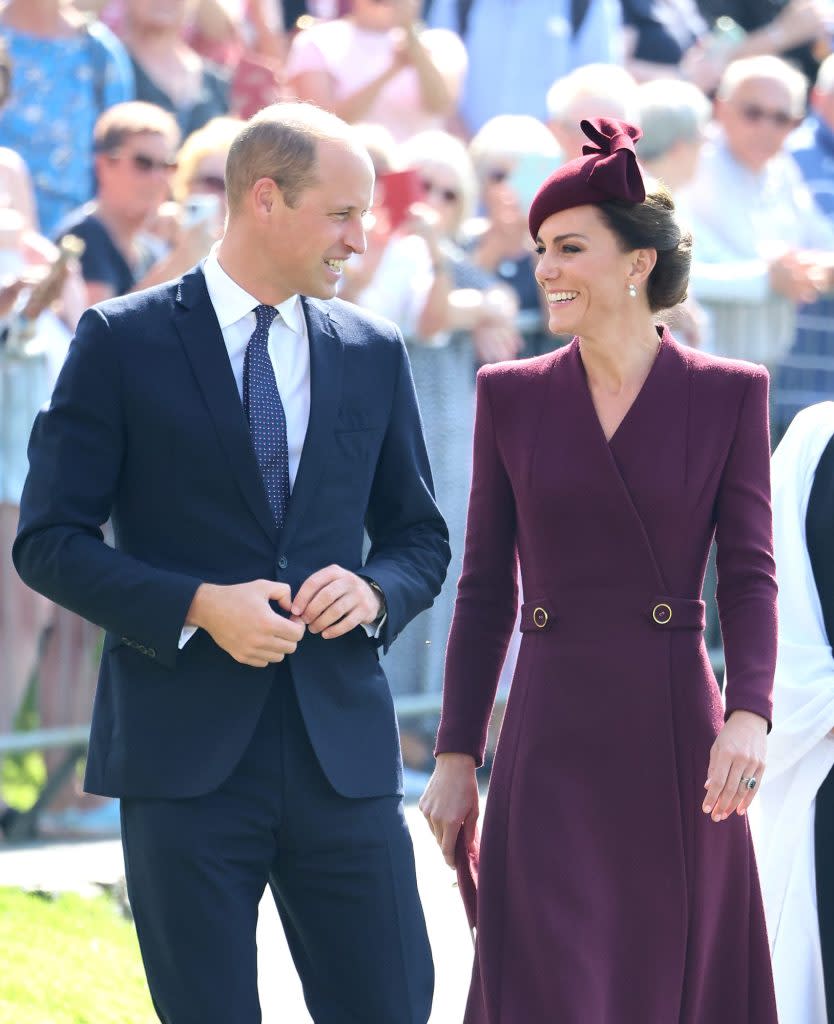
{"x": 377, "y": 64}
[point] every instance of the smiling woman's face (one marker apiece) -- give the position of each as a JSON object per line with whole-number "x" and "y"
{"x": 583, "y": 271}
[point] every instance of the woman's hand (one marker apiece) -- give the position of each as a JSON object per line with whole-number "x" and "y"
{"x": 451, "y": 802}
{"x": 737, "y": 755}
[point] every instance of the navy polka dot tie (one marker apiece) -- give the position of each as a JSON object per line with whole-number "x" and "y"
{"x": 265, "y": 412}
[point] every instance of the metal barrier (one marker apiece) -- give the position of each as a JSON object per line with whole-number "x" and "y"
{"x": 806, "y": 374}
{"x": 73, "y": 739}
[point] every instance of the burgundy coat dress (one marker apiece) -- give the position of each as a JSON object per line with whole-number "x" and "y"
{"x": 606, "y": 895}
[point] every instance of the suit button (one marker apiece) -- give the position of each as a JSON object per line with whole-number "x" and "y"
{"x": 282, "y": 562}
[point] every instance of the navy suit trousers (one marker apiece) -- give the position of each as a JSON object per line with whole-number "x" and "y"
{"x": 341, "y": 872}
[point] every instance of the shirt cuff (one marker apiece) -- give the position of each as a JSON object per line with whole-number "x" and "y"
{"x": 185, "y": 635}
{"x": 374, "y": 629}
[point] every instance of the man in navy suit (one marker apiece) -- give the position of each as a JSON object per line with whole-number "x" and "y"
{"x": 242, "y": 434}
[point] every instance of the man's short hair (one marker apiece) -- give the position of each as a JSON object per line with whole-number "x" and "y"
{"x": 765, "y": 68}
{"x": 280, "y": 142}
{"x": 124, "y": 120}
{"x": 671, "y": 111}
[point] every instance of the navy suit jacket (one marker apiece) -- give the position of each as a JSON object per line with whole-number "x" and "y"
{"x": 146, "y": 428}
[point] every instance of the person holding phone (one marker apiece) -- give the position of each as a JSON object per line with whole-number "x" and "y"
{"x": 617, "y": 879}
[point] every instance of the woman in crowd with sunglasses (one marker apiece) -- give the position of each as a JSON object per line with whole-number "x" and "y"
{"x": 617, "y": 881}
{"x": 135, "y": 145}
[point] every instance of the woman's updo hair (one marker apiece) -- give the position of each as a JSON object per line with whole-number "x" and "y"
{"x": 652, "y": 225}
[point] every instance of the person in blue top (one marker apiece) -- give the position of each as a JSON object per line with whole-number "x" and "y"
{"x": 65, "y": 71}
{"x": 545, "y": 38}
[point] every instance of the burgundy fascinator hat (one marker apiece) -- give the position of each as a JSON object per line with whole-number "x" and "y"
{"x": 606, "y": 170}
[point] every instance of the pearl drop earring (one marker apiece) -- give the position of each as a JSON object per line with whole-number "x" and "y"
{"x": 632, "y": 291}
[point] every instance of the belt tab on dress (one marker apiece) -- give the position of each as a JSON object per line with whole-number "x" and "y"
{"x": 535, "y": 616}
{"x": 678, "y": 613}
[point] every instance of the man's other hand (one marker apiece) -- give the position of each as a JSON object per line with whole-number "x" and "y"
{"x": 240, "y": 620}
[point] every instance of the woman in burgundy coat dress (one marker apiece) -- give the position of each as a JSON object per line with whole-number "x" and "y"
{"x": 617, "y": 879}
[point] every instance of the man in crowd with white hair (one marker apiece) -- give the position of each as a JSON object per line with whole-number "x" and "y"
{"x": 674, "y": 116}
{"x": 806, "y": 374}
{"x": 594, "y": 90}
{"x": 762, "y": 246}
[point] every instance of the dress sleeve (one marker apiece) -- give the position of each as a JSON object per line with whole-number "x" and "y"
{"x": 746, "y": 589}
{"x": 487, "y": 597}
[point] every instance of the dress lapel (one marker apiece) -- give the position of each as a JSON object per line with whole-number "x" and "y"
{"x": 608, "y": 449}
{"x": 326, "y": 356}
{"x": 201, "y": 337}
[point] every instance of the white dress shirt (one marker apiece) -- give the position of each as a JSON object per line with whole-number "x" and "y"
{"x": 289, "y": 353}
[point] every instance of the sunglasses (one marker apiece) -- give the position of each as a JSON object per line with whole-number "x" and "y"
{"x": 213, "y": 182}
{"x": 147, "y": 164}
{"x": 448, "y": 195}
{"x": 753, "y": 113}
{"x": 497, "y": 175}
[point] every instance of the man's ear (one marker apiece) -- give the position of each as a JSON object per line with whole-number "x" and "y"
{"x": 266, "y": 196}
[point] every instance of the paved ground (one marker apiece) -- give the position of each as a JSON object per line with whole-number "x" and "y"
{"x": 78, "y": 865}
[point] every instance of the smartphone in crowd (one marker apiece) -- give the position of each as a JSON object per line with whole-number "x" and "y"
{"x": 200, "y": 208}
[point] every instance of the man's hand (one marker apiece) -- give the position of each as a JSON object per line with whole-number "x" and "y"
{"x": 450, "y": 802}
{"x": 334, "y": 601}
{"x": 737, "y": 754}
{"x": 239, "y": 620}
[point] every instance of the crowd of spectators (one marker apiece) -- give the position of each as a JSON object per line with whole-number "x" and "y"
{"x": 116, "y": 116}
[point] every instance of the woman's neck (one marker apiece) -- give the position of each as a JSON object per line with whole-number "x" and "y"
{"x": 620, "y": 357}
{"x": 153, "y": 42}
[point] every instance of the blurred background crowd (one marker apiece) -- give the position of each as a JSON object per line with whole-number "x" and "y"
{"x": 115, "y": 120}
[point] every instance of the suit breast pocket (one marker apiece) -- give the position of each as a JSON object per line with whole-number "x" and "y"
{"x": 353, "y": 460}
{"x": 357, "y": 445}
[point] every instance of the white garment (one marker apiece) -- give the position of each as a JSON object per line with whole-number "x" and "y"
{"x": 800, "y": 751}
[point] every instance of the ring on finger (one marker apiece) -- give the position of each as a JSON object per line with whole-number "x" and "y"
{"x": 749, "y": 783}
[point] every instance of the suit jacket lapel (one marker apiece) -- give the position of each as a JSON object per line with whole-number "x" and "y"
{"x": 326, "y": 355}
{"x": 199, "y": 331}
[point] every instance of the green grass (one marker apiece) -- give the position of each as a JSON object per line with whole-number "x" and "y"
{"x": 71, "y": 960}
